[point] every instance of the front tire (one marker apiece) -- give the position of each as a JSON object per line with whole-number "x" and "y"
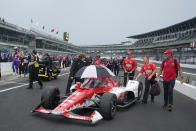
{"x": 50, "y": 97}
{"x": 108, "y": 106}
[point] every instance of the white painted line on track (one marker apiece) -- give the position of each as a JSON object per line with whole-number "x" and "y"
{"x": 13, "y": 88}
{"x": 63, "y": 74}
{"x": 23, "y": 85}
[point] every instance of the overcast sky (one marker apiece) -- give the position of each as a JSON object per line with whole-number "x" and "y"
{"x": 94, "y": 22}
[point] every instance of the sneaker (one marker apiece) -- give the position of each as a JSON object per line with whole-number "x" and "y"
{"x": 144, "y": 102}
{"x": 169, "y": 108}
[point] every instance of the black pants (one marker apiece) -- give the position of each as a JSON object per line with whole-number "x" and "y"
{"x": 168, "y": 91}
{"x": 148, "y": 84}
{"x": 21, "y": 69}
{"x": 116, "y": 70}
{"x": 64, "y": 64}
{"x": 70, "y": 82}
{"x": 130, "y": 75}
{"x": 33, "y": 76}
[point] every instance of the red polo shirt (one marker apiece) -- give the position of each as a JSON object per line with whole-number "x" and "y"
{"x": 169, "y": 70}
{"x": 129, "y": 64}
{"x": 148, "y": 69}
{"x": 97, "y": 62}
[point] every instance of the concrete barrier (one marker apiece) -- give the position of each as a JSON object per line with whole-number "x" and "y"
{"x": 6, "y": 68}
{"x": 186, "y": 89}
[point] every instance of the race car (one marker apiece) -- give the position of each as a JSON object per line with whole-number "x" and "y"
{"x": 104, "y": 95}
{"x": 49, "y": 72}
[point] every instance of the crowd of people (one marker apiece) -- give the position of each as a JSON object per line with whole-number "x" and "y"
{"x": 28, "y": 62}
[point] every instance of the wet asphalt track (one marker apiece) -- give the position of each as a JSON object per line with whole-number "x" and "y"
{"x": 16, "y": 104}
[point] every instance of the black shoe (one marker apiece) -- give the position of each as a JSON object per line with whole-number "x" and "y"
{"x": 30, "y": 87}
{"x": 144, "y": 102}
{"x": 41, "y": 86}
{"x": 169, "y": 108}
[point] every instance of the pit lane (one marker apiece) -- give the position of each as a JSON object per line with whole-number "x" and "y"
{"x": 16, "y": 104}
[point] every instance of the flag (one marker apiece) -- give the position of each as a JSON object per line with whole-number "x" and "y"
{"x": 52, "y": 30}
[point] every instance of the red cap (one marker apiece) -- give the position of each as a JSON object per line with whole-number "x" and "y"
{"x": 168, "y": 52}
{"x": 129, "y": 53}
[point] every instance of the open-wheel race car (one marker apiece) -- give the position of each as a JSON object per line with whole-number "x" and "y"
{"x": 49, "y": 71}
{"x": 102, "y": 94}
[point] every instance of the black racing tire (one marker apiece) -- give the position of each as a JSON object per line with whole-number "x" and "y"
{"x": 50, "y": 97}
{"x": 140, "y": 90}
{"x": 108, "y": 106}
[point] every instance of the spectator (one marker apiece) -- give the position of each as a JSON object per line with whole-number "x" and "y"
{"x": 21, "y": 63}
{"x": 26, "y": 62}
{"x": 6, "y": 56}
{"x": 15, "y": 56}
{"x": 116, "y": 66}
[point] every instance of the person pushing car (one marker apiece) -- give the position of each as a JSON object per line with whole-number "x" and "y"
{"x": 149, "y": 70}
{"x": 77, "y": 64}
{"x": 129, "y": 66}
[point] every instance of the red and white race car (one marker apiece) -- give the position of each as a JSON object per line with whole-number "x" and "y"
{"x": 103, "y": 95}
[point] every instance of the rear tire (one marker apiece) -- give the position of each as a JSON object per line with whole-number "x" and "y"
{"x": 140, "y": 90}
{"x": 108, "y": 106}
{"x": 50, "y": 97}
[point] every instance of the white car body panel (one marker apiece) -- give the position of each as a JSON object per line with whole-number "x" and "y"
{"x": 132, "y": 86}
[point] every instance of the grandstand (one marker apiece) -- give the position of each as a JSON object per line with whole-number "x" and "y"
{"x": 12, "y": 35}
{"x": 178, "y": 37}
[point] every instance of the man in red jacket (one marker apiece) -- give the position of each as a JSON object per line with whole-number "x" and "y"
{"x": 170, "y": 68}
{"x": 129, "y": 66}
{"x": 149, "y": 70}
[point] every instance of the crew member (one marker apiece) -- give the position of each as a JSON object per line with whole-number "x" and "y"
{"x": 34, "y": 70}
{"x": 149, "y": 70}
{"x": 129, "y": 66}
{"x": 77, "y": 64}
{"x": 170, "y": 68}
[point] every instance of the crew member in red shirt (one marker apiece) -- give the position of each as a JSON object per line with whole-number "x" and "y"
{"x": 168, "y": 67}
{"x": 98, "y": 62}
{"x": 149, "y": 70}
{"x": 129, "y": 66}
